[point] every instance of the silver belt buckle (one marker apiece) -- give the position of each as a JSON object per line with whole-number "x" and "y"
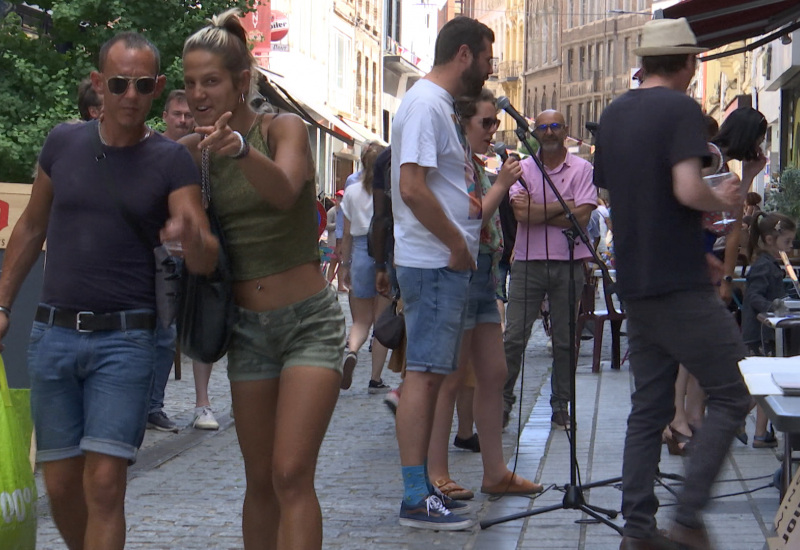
{"x": 78, "y": 320}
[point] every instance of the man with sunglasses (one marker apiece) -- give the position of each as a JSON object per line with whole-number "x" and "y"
{"x": 93, "y": 344}
{"x": 542, "y": 262}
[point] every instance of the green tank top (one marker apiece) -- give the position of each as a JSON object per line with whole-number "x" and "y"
{"x": 261, "y": 240}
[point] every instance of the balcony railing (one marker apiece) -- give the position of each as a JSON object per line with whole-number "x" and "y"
{"x": 509, "y": 70}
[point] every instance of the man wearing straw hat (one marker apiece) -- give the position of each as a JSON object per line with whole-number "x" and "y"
{"x": 650, "y": 150}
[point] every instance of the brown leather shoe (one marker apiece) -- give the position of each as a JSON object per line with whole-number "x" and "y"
{"x": 690, "y": 539}
{"x": 657, "y": 542}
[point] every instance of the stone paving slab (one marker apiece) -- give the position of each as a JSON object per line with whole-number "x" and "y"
{"x": 193, "y": 498}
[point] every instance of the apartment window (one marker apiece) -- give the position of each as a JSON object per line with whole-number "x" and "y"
{"x": 610, "y": 70}
{"x": 589, "y": 66}
{"x": 570, "y": 62}
{"x": 545, "y": 42}
{"x": 374, "y": 90}
{"x": 554, "y": 104}
{"x": 625, "y": 54}
{"x": 580, "y": 119}
{"x": 366, "y": 87}
{"x": 568, "y": 115}
{"x": 584, "y": 11}
{"x": 554, "y": 50}
{"x": 570, "y": 12}
{"x": 582, "y": 63}
{"x": 544, "y": 101}
{"x": 358, "y": 80}
{"x": 340, "y": 72}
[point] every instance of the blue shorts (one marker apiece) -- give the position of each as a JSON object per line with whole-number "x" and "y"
{"x": 482, "y": 306}
{"x": 434, "y": 305}
{"x": 362, "y": 270}
{"x": 90, "y": 391}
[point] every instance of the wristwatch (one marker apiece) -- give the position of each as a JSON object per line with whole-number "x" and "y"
{"x": 727, "y": 279}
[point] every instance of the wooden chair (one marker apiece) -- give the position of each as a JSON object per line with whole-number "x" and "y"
{"x": 588, "y": 313}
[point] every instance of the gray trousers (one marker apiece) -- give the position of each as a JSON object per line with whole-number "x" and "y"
{"x": 692, "y": 328}
{"x": 530, "y": 281}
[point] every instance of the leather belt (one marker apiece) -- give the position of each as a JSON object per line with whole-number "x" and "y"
{"x": 88, "y": 321}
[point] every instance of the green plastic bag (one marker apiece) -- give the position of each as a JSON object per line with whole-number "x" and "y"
{"x": 17, "y": 486}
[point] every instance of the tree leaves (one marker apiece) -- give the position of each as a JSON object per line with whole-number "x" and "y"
{"x": 39, "y": 75}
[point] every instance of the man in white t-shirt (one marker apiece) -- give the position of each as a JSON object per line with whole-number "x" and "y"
{"x": 437, "y": 219}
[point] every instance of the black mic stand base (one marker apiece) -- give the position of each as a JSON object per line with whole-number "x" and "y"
{"x": 573, "y": 500}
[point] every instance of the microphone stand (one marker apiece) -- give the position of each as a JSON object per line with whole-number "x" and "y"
{"x": 573, "y": 491}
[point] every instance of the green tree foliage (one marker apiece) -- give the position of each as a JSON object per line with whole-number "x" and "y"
{"x": 786, "y": 198}
{"x": 40, "y": 71}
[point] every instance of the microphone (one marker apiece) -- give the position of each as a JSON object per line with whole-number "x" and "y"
{"x": 500, "y": 149}
{"x": 592, "y": 127}
{"x": 505, "y": 104}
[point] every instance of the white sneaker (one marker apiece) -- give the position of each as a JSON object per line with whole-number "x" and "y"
{"x": 204, "y": 419}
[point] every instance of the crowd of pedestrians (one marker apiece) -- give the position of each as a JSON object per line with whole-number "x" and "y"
{"x": 421, "y": 220}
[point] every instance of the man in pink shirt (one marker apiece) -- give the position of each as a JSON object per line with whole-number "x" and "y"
{"x": 541, "y": 257}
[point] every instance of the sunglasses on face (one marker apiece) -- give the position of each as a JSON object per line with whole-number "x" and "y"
{"x": 118, "y": 85}
{"x": 490, "y": 123}
{"x": 554, "y": 126}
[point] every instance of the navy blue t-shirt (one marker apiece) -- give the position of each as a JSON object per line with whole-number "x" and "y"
{"x": 658, "y": 242}
{"x": 95, "y": 260}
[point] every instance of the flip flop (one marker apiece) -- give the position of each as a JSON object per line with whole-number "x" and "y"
{"x": 450, "y": 488}
{"x": 512, "y": 484}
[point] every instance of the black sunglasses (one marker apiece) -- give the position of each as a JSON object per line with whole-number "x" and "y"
{"x": 555, "y": 126}
{"x": 489, "y": 122}
{"x": 118, "y": 85}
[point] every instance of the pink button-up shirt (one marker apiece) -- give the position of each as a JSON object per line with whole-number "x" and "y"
{"x": 573, "y": 179}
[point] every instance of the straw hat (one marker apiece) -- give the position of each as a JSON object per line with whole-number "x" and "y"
{"x": 668, "y": 37}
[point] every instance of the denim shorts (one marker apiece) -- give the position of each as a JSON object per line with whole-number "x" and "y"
{"x": 310, "y": 333}
{"x": 362, "y": 270}
{"x": 90, "y": 391}
{"x": 482, "y": 305}
{"x": 434, "y": 305}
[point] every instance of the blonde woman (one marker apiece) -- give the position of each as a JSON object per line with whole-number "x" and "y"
{"x": 284, "y": 361}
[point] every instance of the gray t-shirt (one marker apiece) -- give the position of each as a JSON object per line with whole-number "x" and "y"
{"x": 95, "y": 261}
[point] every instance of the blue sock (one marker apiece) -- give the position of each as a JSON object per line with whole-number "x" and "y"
{"x": 415, "y": 484}
{"x": 428, "y": 483}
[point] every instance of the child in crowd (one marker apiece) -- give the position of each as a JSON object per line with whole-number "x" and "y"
{"x": 770, "y": 234}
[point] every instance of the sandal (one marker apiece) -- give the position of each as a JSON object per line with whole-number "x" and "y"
{"x": 677, "y": 442}
{"x": 450, "y": 488}
{"x": 512, "y": 484}
{"x": 766, "y": 441}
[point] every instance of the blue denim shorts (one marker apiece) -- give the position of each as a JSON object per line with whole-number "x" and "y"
{"x": 362, "y": 270}
{"x": 482, "y": 306}
{"x": 434, "y": 306}
{"x": 308, "y": 333}
{"x": 90, "y": 391}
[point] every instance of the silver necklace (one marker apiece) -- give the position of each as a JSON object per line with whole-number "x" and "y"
{"x": 103, "y": 141}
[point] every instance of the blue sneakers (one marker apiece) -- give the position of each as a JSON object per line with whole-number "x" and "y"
{"x": 458, "y": 506}
{"x": 431, "y": 513}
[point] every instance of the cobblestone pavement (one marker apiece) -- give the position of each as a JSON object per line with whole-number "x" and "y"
{"x": 186, "y": 490}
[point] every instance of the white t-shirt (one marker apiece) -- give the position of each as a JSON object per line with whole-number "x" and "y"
{"x": 357, "y": 207}
{"x": 425, "y": 132}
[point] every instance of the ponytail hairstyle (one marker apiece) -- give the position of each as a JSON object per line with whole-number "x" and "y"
{"x": 369, "y": 154}
{"x": 226, "y": 37}
{"x": 764, "y": 225}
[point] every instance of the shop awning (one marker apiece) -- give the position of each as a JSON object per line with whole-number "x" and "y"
{"x": 283, "y": 96}
{"x": 720, "y": 22}
{"x": 363, "y": 131}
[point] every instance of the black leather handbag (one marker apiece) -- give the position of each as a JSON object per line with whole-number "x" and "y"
{"x": 390, "y": 326}
{"x": 207, "y": 314}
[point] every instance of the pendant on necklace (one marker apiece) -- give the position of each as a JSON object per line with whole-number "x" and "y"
{"x": 258, "y": 285}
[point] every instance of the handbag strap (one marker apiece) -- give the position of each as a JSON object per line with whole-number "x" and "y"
{"x": 5, "y": 394}
{"x": 102, "y": 160}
